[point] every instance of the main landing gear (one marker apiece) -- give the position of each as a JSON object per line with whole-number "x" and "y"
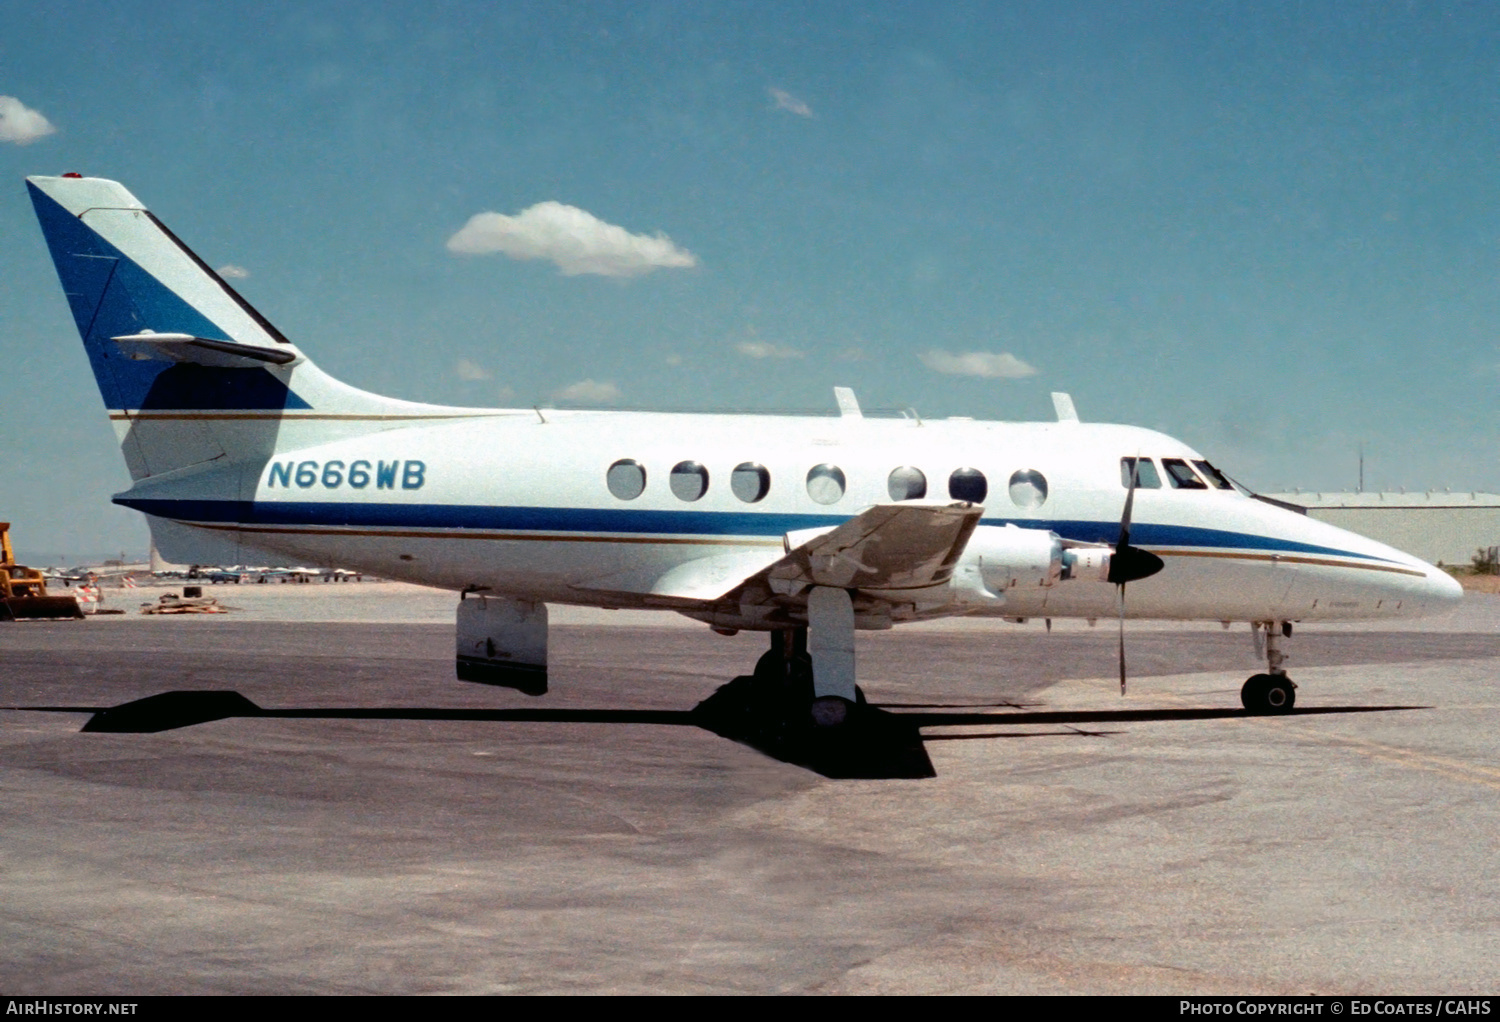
{"x": 781, "y": 703}
{"x": 801, "y": 704}
{"x": 785, "y": 689}
{"x": 1272, "y": 692}
{"x": 806, "y": 678}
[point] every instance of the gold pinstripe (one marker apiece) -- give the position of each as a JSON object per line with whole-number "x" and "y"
{"x": 548, "y": 537}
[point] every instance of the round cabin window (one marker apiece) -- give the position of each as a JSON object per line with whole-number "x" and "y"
{"x": 750, "y": 482}
{"x": 626, "y": 479}
{"x": 689, "y": 480}
{"x": 968, "y": 484}
{"x": 906, "y": 483}
{"x": 1028, "y": 489}
{"x": 825, "y": 483}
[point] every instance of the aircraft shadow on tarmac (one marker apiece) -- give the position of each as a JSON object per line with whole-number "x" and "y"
{"x": 873, "y": 744}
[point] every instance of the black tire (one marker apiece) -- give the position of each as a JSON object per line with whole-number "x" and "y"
{"x": 771, "y": 666}
{"x": 787, "y": 682}
{"x": 1281, "y": 694}
{"x": 1268, "y": 694}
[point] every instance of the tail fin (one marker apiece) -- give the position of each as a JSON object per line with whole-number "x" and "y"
{"x": 188, "y": 370}
{"x": 125, "y": 274}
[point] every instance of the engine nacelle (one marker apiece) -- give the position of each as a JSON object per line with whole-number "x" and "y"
{"x": 1004, "y": 557}
{"x": 1090, "y": 562}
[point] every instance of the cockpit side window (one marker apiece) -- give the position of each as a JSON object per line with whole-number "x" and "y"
{"x": 1146, "y": 479}
{"x": 1213, "y": 475}
{"x": 1182, "y": 477}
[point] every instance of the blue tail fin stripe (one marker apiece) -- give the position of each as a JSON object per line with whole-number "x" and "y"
{"x": 111, "y": 295}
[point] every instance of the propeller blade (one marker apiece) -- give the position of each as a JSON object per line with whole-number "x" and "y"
{"x": 1135, "y": 478}
{"x": 1128, "y": 563}
{"x": 1131, "y": 564}
{"x": 1121, "y": 592}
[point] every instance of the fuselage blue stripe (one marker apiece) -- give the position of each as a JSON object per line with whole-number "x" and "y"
{"x": 639, "y": 522}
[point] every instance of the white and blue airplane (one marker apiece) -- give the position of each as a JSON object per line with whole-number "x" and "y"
{"x": 240, "y": 450}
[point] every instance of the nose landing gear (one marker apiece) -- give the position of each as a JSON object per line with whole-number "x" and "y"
{"x": 1268, "y": 693}
{"x": 1272, "y": 692}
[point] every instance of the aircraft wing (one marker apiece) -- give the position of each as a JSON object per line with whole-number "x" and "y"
{"x": 886, "y": 547}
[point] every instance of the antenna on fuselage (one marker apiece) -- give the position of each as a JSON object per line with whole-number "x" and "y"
{"x": 1063, "y": 404}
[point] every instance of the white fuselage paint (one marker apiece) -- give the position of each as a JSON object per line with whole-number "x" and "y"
{"x": 516, "y": 503}
{"x": 287, "y": 460}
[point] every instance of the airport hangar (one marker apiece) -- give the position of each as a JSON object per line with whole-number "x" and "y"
{"x": 1440, "y": 527}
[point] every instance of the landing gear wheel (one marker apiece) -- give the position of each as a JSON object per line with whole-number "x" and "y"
{"x": 771, "y": 666}
{"x": 1269, "y": 693}
{"x": 831, "y": 711}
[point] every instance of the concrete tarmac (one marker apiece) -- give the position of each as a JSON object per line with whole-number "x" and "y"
{"x": 392, "y": 830}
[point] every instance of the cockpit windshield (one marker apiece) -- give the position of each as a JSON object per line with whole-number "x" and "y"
{"x": 1181, "y": 476}
{"x": 1214, "y": 476}
{"x": 1146, "y": 477}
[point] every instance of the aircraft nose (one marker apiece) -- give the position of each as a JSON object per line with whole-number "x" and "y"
{"x": 1440, "y": 590}
{"x": 1434, "y": 592}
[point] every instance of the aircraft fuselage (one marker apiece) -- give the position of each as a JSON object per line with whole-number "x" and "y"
{"x": 520, "y": 503}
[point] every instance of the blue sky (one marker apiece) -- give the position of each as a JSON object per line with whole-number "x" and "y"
{"x": 1268, "y": 229}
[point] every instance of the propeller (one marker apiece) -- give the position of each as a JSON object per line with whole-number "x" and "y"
{"x": 1129, "y": 563}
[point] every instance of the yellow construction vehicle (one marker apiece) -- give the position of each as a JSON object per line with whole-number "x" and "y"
{"x": 23, "y": 591}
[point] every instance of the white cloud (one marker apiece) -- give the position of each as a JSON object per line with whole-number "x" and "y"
{"x": 576, "y": 240}
{"x": 589, "y": 392}
{"x": 1002, "y": 366}
{"x": 791, "y": 104}
{"x": 468, "y": 369}
{"x": 765, "y": 349}
{"x": 232, "y": 272}
{"x": 21, "y": 124}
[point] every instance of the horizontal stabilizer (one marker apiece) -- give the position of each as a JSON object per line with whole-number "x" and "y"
{"x": 207, "y": 351}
